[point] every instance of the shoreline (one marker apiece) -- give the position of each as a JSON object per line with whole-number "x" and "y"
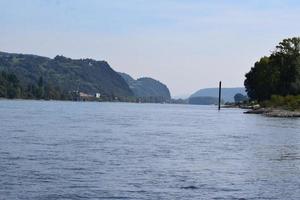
{"x": 275, "y": 112}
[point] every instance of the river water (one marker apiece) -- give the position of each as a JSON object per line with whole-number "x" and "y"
{"x": 84, "y": 150}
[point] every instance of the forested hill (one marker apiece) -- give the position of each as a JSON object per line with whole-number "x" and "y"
{"x": 86, "y": 75}
{"x": 147, "y": 87}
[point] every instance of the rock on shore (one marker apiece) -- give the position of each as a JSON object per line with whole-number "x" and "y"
{"x": 274, "y": 112}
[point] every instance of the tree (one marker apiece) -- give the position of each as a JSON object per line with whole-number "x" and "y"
{"x": 262, "y": 80}
{"x": 40, "y": 93}
{"x": 278, "y": 74}
{"x": 238, "y": 98}
{"x": 286, "y": 57}
{"x": 9, "y": 86}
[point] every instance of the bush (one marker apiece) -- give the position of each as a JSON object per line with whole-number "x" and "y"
{"x": 286, "y": 102}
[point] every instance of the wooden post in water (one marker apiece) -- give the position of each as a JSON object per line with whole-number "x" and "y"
{"x": 220, "y": 88}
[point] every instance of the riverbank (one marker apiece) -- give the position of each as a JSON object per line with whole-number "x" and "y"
{"x": 274, "y": 112}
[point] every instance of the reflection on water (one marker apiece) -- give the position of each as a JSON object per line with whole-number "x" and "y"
{"x": 75, "y": 150}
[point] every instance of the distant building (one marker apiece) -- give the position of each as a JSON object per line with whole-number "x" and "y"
{"x": 81, "y": 96}
{"x": 97, "y": 95}
{"x": 85, "y": 97}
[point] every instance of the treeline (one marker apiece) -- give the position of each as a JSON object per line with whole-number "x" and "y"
{"x": 277, "y": 74}
{"x": 10, "y": 87}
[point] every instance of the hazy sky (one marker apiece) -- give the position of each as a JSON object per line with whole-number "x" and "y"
{"x": 186, "y": 44}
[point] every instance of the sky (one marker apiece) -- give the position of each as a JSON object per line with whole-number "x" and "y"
{"x": 186, "y": 44}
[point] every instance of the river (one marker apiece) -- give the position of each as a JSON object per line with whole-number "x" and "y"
{"x": 88, "y": 150}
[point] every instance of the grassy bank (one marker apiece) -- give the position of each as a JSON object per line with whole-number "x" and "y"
{"x": 291, "y": 103}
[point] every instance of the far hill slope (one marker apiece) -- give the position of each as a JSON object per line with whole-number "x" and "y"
{"x": 227, "y": 93}
{"x": 203, "y": 100}
{"x": 147, "y": 87}
{"x": 87, "y": 75}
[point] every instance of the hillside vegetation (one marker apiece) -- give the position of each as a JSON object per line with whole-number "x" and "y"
{"x": 11, "y": 88}
{"x": 87, "y": 75}
{"x": 147, "y": 88}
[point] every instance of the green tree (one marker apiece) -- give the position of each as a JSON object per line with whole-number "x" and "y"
{"x": 278, "y": 74}
{"x": 9, "y": 86}
{"x": 240, "y": 98}
{"x": 40, "y": 93}
{"x": 286, "y": 57}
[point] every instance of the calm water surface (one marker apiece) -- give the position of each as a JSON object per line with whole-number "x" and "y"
{"x": 75, "y": 150}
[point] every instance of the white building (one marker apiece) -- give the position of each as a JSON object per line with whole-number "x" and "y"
{"x": 97, "y": 95}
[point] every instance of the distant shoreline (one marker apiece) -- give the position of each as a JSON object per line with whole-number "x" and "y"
{"x": 60, "y": 100}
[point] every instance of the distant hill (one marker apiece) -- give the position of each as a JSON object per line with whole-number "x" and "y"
{"x": 147, "y": 87}
{"x": 87, "y": 75}
{"x": 203, "y": 100}
{"x": 227, "y": 93}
